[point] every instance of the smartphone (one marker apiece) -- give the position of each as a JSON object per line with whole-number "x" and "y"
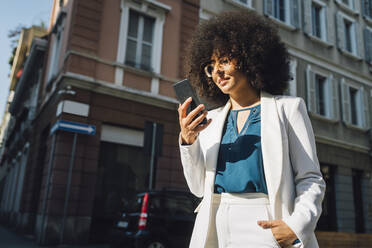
{"x": 183, "y": 91}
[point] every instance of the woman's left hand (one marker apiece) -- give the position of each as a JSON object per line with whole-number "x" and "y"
{"x": 281, "y": 231}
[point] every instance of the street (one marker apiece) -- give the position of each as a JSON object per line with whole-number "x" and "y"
{"x": 10, "y": 239}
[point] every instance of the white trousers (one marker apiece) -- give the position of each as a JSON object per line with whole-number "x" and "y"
{"x": 234, "y": 221}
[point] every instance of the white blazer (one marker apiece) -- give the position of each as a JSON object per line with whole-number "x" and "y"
{"x": 294, "y": 181}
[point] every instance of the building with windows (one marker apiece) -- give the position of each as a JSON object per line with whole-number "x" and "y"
{"x": 111, "y": 65}
{"x": 15, "y": 126}
{"x": 329, "y": 42}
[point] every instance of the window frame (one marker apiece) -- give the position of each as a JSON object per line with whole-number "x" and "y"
{"x": 330, "y": 97}
{"x": 323, "y": 17}
{"x": 323, "y": 83}
{"x": 367, "y": 13}
{"x": 290, "y": 22}
{"x": 56, "y": 41}
{"x": 367, "y": 38}
{"x": 329, "y": 200}
{"x": 356, "y": 52}
{"x": 357, "y": 177}
{"x": 361, "y": 106}
{"x": 140, "y": 41}
{"x": 153, "y": 9}
{"x": 326, "y": 24}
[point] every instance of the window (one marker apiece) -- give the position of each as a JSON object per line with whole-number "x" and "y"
{"x": 322, "y": 94}
{"x": 358, "y": 201}
{"x": 279, "y": 10}
{"x": 122, "y": 172}
{"x": 285, "y": 11}
{"x": 316, "y": 21}
{"x": 368, "y": 44}
{"x": 316, "y": 17}
{"x": 367, "y": 8}
{"x": 348, "y": 36}
{"x": 141, "y": 38}
{"x": 53, "y": 66}
{"x": 56, "y": 40}
{"x": 347, "y": 33}
{"x": 139, "y": 41}
{"x": 320, "y": 91}
{"x": 328, "y": 220}
{"x": 354, "y": 105}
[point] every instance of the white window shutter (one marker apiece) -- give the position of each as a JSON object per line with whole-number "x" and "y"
{"x": 295, "y": 12}
{"x": 307, "y": 17}
{"x": 329, "y": 23}
{"x": 311, "y": 98}
{"x": 359, "y": 39}
{"x": 365, "y": 106}
{"x": 333, "y": 96}
{"x": 269, "y": 7}
{"x": 293, "y": 82}
{"x": 346, "y": 117}
{"x": 340, "y": 32}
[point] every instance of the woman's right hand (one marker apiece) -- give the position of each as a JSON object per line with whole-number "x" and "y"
{"x": 190, "y": 128}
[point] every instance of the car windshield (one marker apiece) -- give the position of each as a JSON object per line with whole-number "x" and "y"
{"x": 159, "y": 203}
{"x": 132, "y": 205}
{"x": 171, "y": 204}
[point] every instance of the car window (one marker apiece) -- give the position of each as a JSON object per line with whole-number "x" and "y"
{"x": 132, "y": 205}
{"x": 179, "y": 205}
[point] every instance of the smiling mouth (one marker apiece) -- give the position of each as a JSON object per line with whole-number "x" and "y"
{"x": 223, "y": 80}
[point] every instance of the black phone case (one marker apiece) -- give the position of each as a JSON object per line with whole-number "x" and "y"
{"x": 183, "y": 91}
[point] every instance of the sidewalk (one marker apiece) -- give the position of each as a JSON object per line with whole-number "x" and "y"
{"x": 10, "y": 239}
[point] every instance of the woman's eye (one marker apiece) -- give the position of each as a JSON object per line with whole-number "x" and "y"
{"x": 224, "y": 61}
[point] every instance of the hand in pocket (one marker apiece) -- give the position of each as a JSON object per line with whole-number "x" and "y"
{"x": 281, "y": 231}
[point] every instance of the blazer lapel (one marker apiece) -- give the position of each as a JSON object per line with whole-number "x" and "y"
{"x": 214, "y": 140}
{"x": 271, "y": 144}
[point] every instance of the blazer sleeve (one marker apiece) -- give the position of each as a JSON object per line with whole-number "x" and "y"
{"x": 308, "y": 180}
{"x": 192, "y": 160}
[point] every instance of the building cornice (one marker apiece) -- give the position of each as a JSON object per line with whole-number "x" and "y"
{"x": 107, "y": 88}
{"x": 319, "y": 61}
{"x": 342, "y": 144}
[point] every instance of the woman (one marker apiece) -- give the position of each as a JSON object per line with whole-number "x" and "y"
{"x": 254, "y": 162}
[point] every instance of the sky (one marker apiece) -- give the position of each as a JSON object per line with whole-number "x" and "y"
{"x": 12, "y": 14}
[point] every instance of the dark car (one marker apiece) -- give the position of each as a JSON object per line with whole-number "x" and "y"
{"x": 156, "y": 219}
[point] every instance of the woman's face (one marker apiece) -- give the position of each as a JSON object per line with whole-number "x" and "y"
{"x": 225, "y": 75}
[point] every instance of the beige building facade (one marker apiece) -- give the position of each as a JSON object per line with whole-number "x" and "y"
{"x": 329, "y": 42}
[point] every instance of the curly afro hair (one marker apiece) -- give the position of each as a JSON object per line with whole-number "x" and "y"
{"x": 243, "y": 35}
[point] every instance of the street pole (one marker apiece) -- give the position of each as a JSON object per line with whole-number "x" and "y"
{"x": 152, "y": 159}
{"x": 47, "y": 186}
{"x": 68, "y": 186}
